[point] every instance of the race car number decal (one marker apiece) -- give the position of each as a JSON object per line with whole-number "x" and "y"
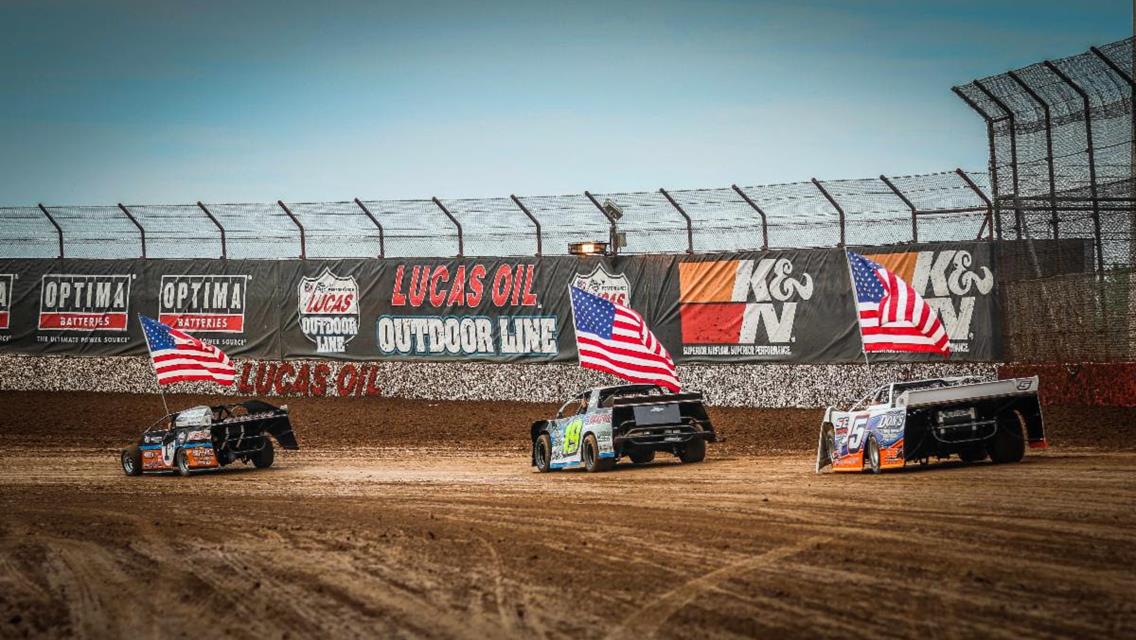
{"x": 572, "y": 436}
{"x": 856, "y": 433}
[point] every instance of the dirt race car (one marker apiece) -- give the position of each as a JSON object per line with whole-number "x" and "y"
{"x": 941, "y": 417}
{"x": 599, "y": 426}
{"x": 211, "y": 437}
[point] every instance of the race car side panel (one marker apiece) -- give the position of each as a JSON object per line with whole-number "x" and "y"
{"x": 156, "y": 457}
{"x": 852, "y": 430}
{"x": 567, "y": 435}
{"x": 201, "y": 455}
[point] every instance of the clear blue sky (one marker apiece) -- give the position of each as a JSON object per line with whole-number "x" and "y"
{"x": 146, "y": 102}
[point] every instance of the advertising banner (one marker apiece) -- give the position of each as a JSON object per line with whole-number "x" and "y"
{"x": 958, "y": 282}
{"x": 777, "y": 306}
{"x": 234, "y": 304}
{"x": 765, "y": 306}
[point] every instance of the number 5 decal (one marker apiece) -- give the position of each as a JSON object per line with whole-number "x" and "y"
{"x": 572, "y": 436}
{"x": 856, "y": 433}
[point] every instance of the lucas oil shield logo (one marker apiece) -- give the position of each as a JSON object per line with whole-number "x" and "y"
{"x": 329, "y": 311}
{"x": 203, "y": 304}
{"x": 74, "y": 302}
{"x": 741, "y": 307}
{"x": 600, "y": 283}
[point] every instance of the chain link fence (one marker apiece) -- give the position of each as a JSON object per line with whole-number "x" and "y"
{"x": 1060, "y": 134}
{"x": 951, "y": 205}
{"x": 1061, "y": 142}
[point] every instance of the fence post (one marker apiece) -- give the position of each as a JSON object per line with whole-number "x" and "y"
{"x": 1054, "y": 220}
{"x": 835, "y": 204}
{"x": 689, "y": 225}
{"x": 764, "y": 221}
{"x": 1092, "y": 158}
{"x": 612, "y": 231}
{"x": 303, "y": 238}
{"x": 1112, "y": 65}
{"x": 382, "y": 241}
{"x": 461, "y": 243}
{"x": 1013, "y": 153}
{"x": 536, "y": 222}
{"x": 141, "y": 231}
{"x": 1127, "y": 77}
{"x": 224, "y": 249}
{"x": 982, "y": 196}
{"x": 992, "y": 163}
{"x": 899, "y": 194}
{"x": 58, "y": 229}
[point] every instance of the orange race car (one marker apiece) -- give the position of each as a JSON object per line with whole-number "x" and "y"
{"x": 920, "y": 419}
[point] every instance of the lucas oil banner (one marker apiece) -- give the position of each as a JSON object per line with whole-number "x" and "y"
{"x": 767, "y": 306}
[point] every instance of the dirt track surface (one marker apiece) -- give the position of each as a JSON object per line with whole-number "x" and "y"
{"x": 393, "y": 534}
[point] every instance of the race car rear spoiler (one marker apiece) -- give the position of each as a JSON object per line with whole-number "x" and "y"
{"x": 670, "y": 398}
{"x": 273, "y": 420}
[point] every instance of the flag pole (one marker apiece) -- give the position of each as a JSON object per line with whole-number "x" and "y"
{"x": 153, "y": 367}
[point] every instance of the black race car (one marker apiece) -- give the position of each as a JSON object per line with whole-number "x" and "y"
{"x": 599, "y": 426}
{"x": 211, "y": 437}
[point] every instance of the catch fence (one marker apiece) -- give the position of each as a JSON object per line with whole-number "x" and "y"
{"x": 946, "y": 206}
{"x": 1060, "y": 135}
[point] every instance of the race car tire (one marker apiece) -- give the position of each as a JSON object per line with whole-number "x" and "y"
{"x": 542, "y": 453}
{"x": 872, "y": 455}
{"x": 641, "y": 456}
{"x": 263, "y": 459}
{"x": 181, "y": 461}
{"x": 973, "y": 454}
{"x": 695, "y": 451}
{"x": 132, "y": 461}
{"x": 1008, "y": 443}
{"x": 591, "y": 454}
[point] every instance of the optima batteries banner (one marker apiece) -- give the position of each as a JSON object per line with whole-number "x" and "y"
{"x": 91, "y": 307}
{"x": 769, "y": 306}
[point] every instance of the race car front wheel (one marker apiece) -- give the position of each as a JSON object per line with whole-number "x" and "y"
{"x": 542, "y": 453}
{"x": 182, "y": 461}
{"x": 132, "y": 461}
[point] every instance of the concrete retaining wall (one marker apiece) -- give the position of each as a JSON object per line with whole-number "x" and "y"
{"x": 764, "y": 385}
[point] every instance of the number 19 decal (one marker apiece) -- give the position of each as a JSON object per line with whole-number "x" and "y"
{"x": 572, "y": 436}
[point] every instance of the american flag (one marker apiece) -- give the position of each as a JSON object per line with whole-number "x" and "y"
{"x": 893, "y": 316}
{"x": 613, "y": 338}
{"x": 178, "y": 356}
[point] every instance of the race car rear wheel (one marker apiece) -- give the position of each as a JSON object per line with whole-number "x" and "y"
{"x": 641, "y": 456}
{"x": 872, "y": 455}
{"x": 1009, "y": 443}
{"x": 263, "y": 459}
{"x": 592, "y": 460}
{"x": 132, "y": 461}
{"x": 181, "y": 459}
{"x": 542, "y": 453}
{"x": 695, "y": 451}
{"x": 973, "y": 454}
